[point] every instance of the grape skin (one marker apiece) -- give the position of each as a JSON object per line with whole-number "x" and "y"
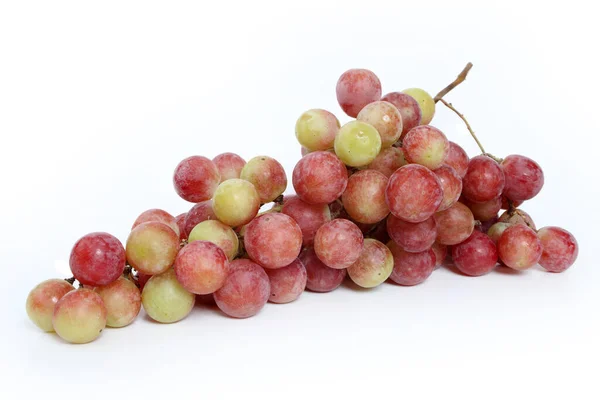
{"x": 364, "y": 197}
{"x": 357, "y": 144}
{"x": 151, "y": 248}
{"x": 273, "y": 240}
{"x": 475, "y": 256}
{"x": 425, "y": 145}
{"x": 385, "y": 118}
{"x": 413, "y": 238}
{"x": 196, "y": 178}
{"x": 409, "y": 110}
{"x": 316, "y": 130}
{"x": 451, "y": 186}
{"x": 180, "y": 220}
{"x": 42, "y": 299}
{"x": 454, "y": 224}
{"x": 319, "y": 178}
{"x": 388, "y": 161}
{"x": 457, "y": 159}
{"x": 122, "y": 300}
{"x": 98, "y": 258}
{"x": 425, "y": 101}
{"x": 484, "y": 180}
{"x": 319, "y": 277}
{"x": 355, "y": 89}
{"x": 165, "y": 300}
{"x": 79, "y": 316}
{"x": 374, "y": 265}
{"x": 524, "y": 177}
{"x": 287, "y": 283}
{"x": 199, "y": 212}
{"x": 560, "y": 249}
{"x": 411, "y": 268}
{"x": 487, "y": 210}
{"x": 201, "y": 267}
{"x": 229, "y": 165}
{"x": 440, "y": 251}
{"x": 338, "y": 243}
{"x": 519, "y": 247}
{"x": 218, "y": 233}
{"x": 236, "y": 202}
{"x": 309, "y": 217}
{"x": 157, "y": 215}
{"x": 267, "y": 175}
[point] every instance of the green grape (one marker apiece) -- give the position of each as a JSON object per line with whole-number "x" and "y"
{"x": 316, "y": 129}
{"x": 79, "y": 316}
{"x": 236, "y": 202}
{"x": 357, "y": 144}
{"x": 426, "y": 103}
{"x": 218, "y": 233}
{"x": 165, "y": 300}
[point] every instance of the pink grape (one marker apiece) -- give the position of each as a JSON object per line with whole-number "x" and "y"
{"x": 388, "y": 161}
{"x": 384, "y": 117}
{"x": 524, "y": 177}
{"x": 42, "y": 299}
{"x": 517, "y": 217}
{"x": 413, "y": 193}
{"x": 364, "y": 197}
{"x": 338, "y": 243}
{"x": 320, "y": 277}
{"x": 475, "y": 256}
{"x": 157, "y": 215}
{"x": 151, "y": 248}
{"x": 411, "y": 237}
{"x": 496, "y": 230}
{"x": 122, "y": 300}
{"x": 180, "y": 220}
{"x": 484, "y": 180}
{"x": 196, "y": 178}
{"x": 519, "y": 247}
{"x": 229, "y": 165}
{"x": 287, "y": 283}
{"x": 374, "y": 265}
{"x": 560, "y": 248}
{"x": 267, "y": 175}
{"x": 451, "y": 184}
{"x": 246, "y": 290}
{"x": 411, "y": 268}
{"x": 454, "y": 224}
{"x": 320, "y": 177}
{"x": 316, "y": 130}
{"x": 79, "y": 316}
{"x": 201, "y": 267}
{"x": 440, "y": 251}
{"x": 98, "y": 258}
{"x": 425, "y": 145}
{"x": 200, "y": 212}
{"x": 309, "y": 217}
{"x": 273, "y": 240}
{"x": 218, "y": 233}
{"x": 487, "y": 210}
{"x": 355, "y": 89}
{"x": 457, "y": 159}
{"x": 409, "y": 110}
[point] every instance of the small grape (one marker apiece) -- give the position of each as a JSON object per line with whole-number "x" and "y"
{"x": 413, "y": 238}
{"x": 484, "y": 180}
{"x": 319, "y": 178}
{"x": 287, "y": 283}
{"x": 165, "y": 300}
{"x": 487, "y": 210}
{"x": 409, "y": 110}
{"x": 385, "y": 118}
{"x": 454, "y": 224}
{"x": 524, "y": 177}
{"x": 122, "y": 300}
{"x": 267, "y": 175}
{"x": 364, "y": 197}
{"x": 151, "y": 248}
{"x": 42, "y": 300}
{"x": 451, "y": 184}
{"x": 98, "y": 258}
{"x": 355, "y": 89}
{"x": 218, "y": 233}
{"x": 201, "y": 267}
{"x": 319, "y": 277}
{"x": 273, "y": 240}
{"x": 475, "y": 256}
{"x": 425, "y": 145}
{"x": 388, "y": 161}
{"x": 560, "y": 248}
{"x": 457, "y": 159}
{"x": 79, "y": 316}
{"x": 357, "y": 143}
{"x": 180, "y": 220}
{"x": 157, "y": 215}
{"x": 519, "y": 247}
{"x": 374, "y": 265}
{"x": 411, "y": 268}
{"x": 517, "y": 216}
{"x": 199, "y": 212}
{"x": 338, "y": 243}
{"x": 196, "y": 178}
{"x": 229, "y": 165}
{"x": 309, "y": 217}
{"x": 236, "y": 202}
{"x": 316, "y": 129}
{"x": 426, "y": 103}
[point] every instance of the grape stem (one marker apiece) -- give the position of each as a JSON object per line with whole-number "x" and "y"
{"x": 459, "y": 79}
{"x": 71, "y": 280}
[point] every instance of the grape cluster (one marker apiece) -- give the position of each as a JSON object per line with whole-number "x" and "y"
{"x": 385, "y": 196}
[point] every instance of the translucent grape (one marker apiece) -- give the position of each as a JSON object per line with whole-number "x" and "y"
{"x": 43, "y": 298}
{"x": 157, "y": 215}
{"x": 388, "y": 161}
{"x": 236, "y": 202}
{"x": 475, "y": 256}
{"x": 201, "y": 267}
{"x": 357, "y": 143}
{"x": 165, "y": 300}
{"x": 411, "y": 237}
{"x": 374, "y": 265}
{"x": 316, "y": 129}
{"x": 152, "y": 247}
{"x": 196, "y": 178}
{"x": 451, "y": 186}
{"x": 425, "y": 145}
{"x": 338, "y": 243}
{"x": 524, "y": 177}
{"x": 267, "y": 175}
{"x": 484, "y": 180}
{"x": 560, "y": 248}
{"x": 425, "y": 101}
{"x": 519, "y": 247}
{"x": 229, "y": 165}
{"x": 411, "y": 268}
{"x": 454, "y": 224}
{"x": 309, "y": 217}
{"x": 457, "y": 159}
{"x": 273, "y": 240}
{"x": 355, "y": 89}
{"x": 409, "y": 110}
{"x": 79, "y": 316}
{"x": 319, "y": 178}
{"x": 98, "y": 258}
{"x": 218, "y": 233}
{"x": 287, "y": 283}
{"x": 122, "y": 300}
{"x": 385, "y": 118}
{"x": 364, "y": 197}
{"x": 319, "y": 277}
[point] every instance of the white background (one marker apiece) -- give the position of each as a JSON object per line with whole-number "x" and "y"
{"x": 100, "y": 100}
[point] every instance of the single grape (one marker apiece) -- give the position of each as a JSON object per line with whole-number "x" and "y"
{"x": 385, "y": 118}
{"x": 519, "y": 247}
{"x": 316, "y": 129}
{"x": 165, "y": 300}
{"x": 357, "y": 143}
{"x": 409, "y": 110}
{"x": 484, "y": 180}
{"x": 355, "y": 89}
{"x": 236, "y": 202}
{"x": 201, "y": 267}
{"x": 157, "y": 215}
{"x": 426, "y": 103}
{"x": 475, "y": 256}
{"x": 457, "y": 159}
{"x": 411, "y": 268}
{"x": 151, "y": 248}
{"x": 517, "y": 216}
{"x": 98, "y": 259}
{"x": 413, "y": 238}
{"x": 451, "y": 184}
{"x": 246, "y": 290}
{"x": 196, "y": 178}
{"x": 560, "y": 248}
{"x": 487, "y": 210}
{"x": 388, "y": 161}
{"x": 42, "y": 299}
{"x": 287, "y": 283}
{"x": 338, "y": 243}
{"x": 440, "y": 251}
{"x": 122, "y": 300}
{"x": 319, "y": 277}
{"x": 79, "y": 316}
{"x": 180, "y": 220}
{"x": 496, "y": 230}
{"x": 413, "y": 193}
{"x": 454, "y": 224}
{"x": 374, "y": 265}
{"x": 524, "y": 177}
{"x": 267, "y": 175}
{"x": 199, "y": 212}
{"x": 425, "y": 145}
{"x": 319, "y": 178}
{"x": 273, "y": 240}
{"x": 364, "y": 197}
{"x": 309, "y": 217}
{"x": 218, "y": 233}
{"x": 229, "y": 165}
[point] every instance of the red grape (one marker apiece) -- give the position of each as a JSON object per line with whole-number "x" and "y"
{"x": 364, "y": 197}
{"x": 122, "y": 300}
{"x": 157, "y": 215}
{"x": 229, "y": 165}
{"x": 518, "y": 216}
{"x": 338, "y": 243}
{"x": 42, "y": 299}
{"x": 475, "y": 256}
{"x": 496, "y": 230}
{"x": 560, "y": 248}
{"x": 440, "y": 251}
{"x": 309, "y": 217}
{"x": 180, "y": 220}
{"x": 267, "y": 175}
{"x": 388, "y": 161}
{"x": 411, "y": 268}
{"x": 201, "y": 267}
{"x": 196, "y": 178}
{"x": 484, "y": 180}
{"x": 200, "y": 212}
{"x": 320, "y": 177}
{"x": 273, "y": 240}
{"x": 457, "y": 159}
{"x": 151, "y": 248}
{"x": 519, "y": 247}
{"x": 384, "y": 117}
{"x": 246, "y": 290}
{"x": 287, "y": 283}
{"x": 355, "y": 89}
{"x": 487, "y": 210}
{"x": 411, "y": 237}
{"x": 524, "y": 177}
{"x": 451, "y": 186}
{"x": 319, "y": 277}
{"x": 454, "y": 224}
{"x": 413, "y": 193}
{"x": 99, "y": 258}
{"x": 409, "y": 110}
{"x": 374, "y": 265}
{"x": 425, "y": 145}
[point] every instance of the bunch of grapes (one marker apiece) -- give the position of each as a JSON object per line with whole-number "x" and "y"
{"x": 386, "y": 196}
